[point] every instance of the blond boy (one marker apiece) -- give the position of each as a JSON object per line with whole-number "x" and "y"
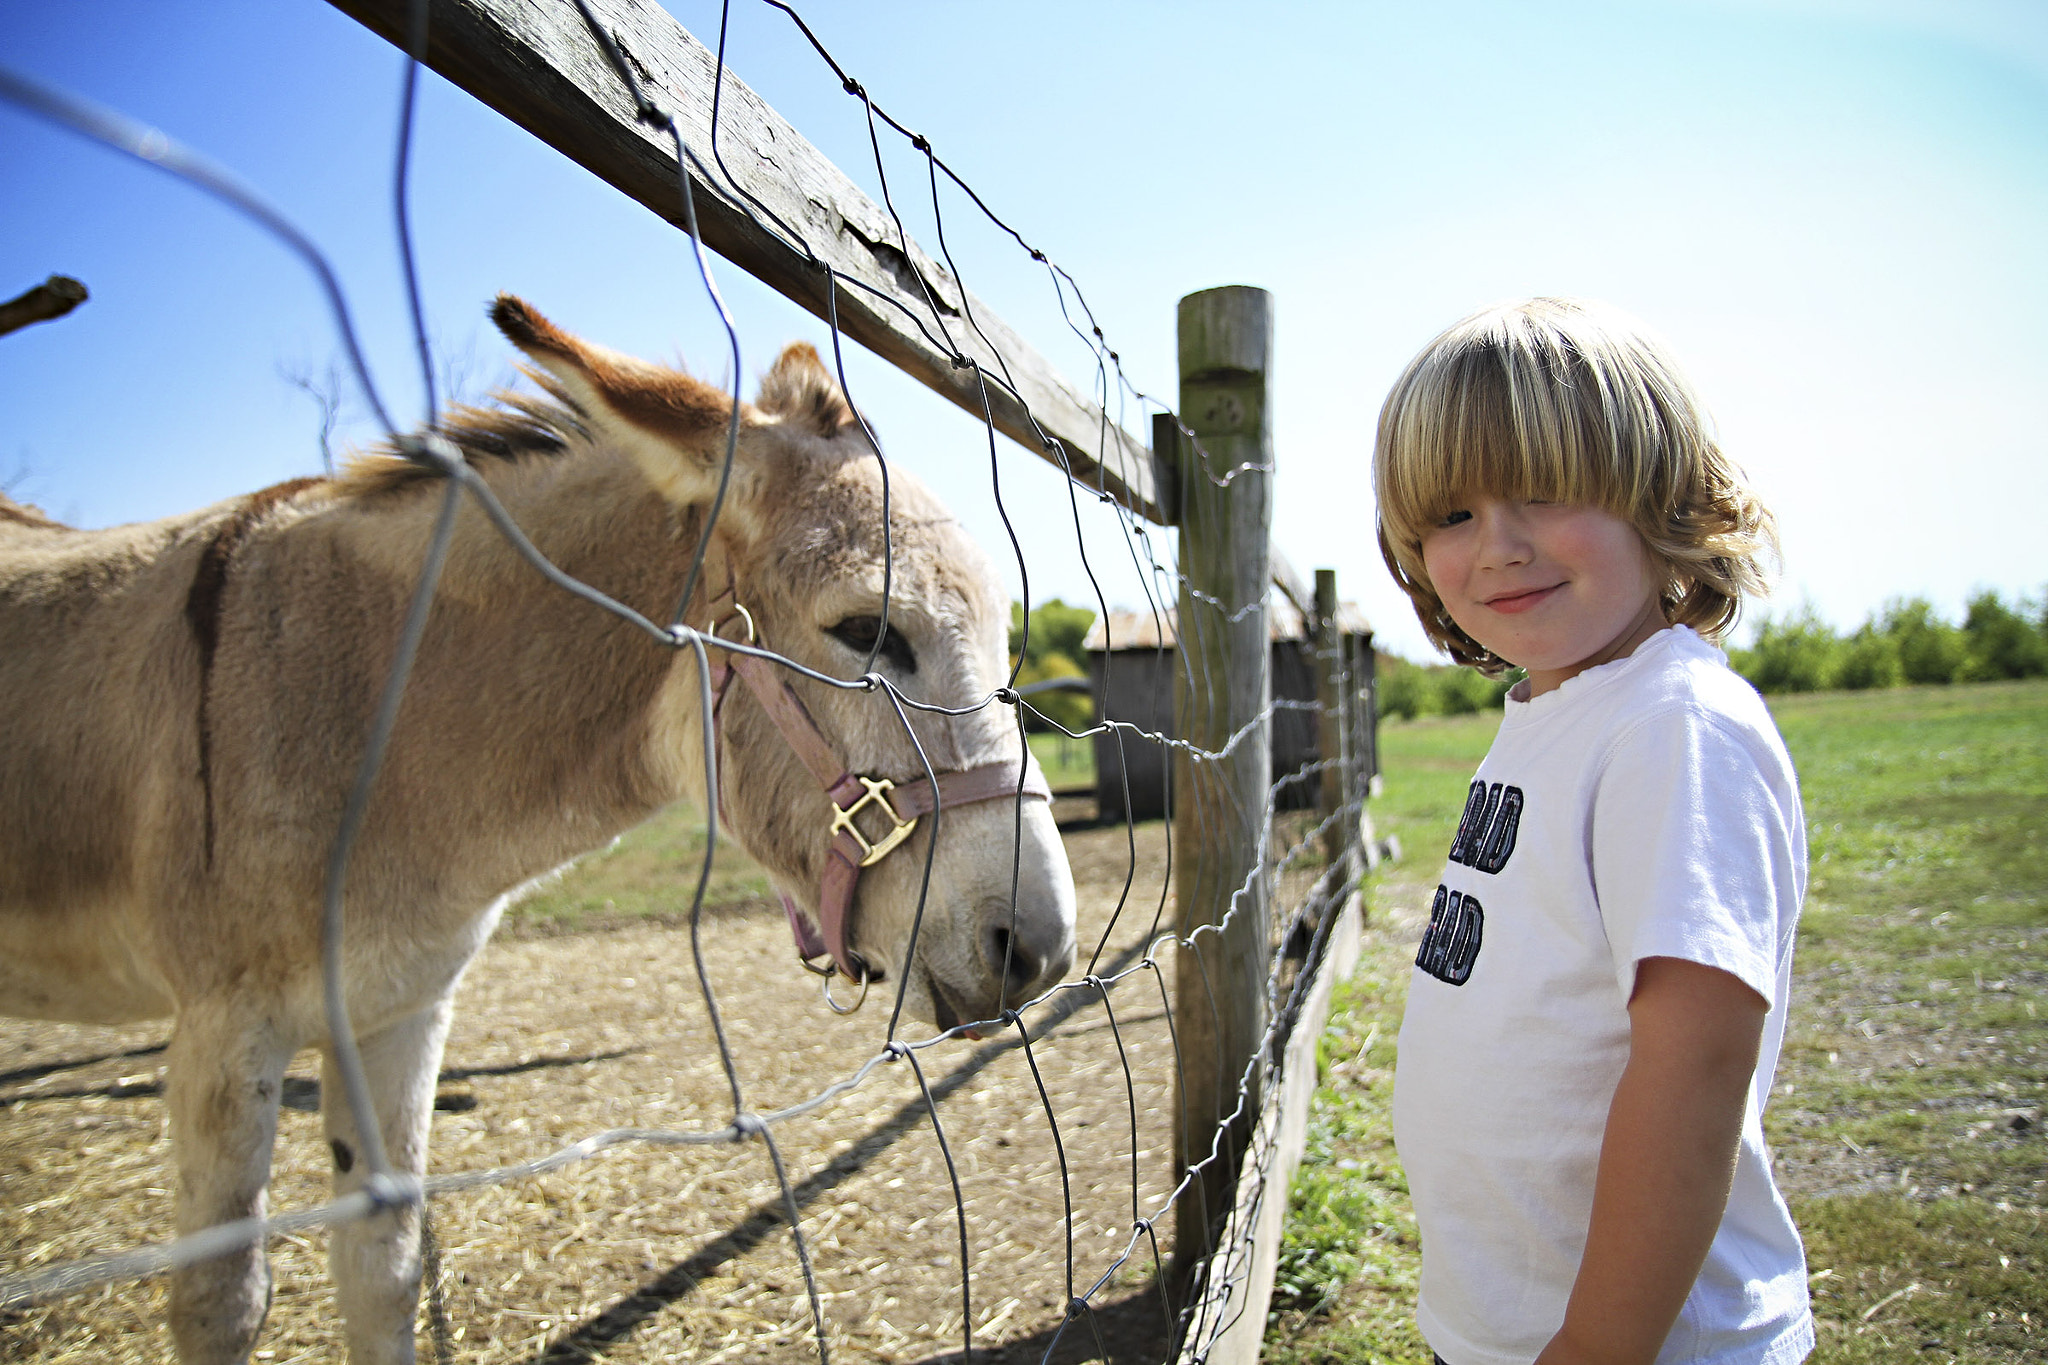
{"x": 1600, "y": 996}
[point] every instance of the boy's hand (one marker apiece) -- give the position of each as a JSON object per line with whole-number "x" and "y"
{"x": 1666, "y": 1161}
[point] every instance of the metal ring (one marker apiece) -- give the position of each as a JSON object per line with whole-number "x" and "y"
{"x": 862, "y": 999}
{"x": 740, "y": 610}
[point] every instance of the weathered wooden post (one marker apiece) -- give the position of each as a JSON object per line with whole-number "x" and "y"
{"x": 1365, "y": 696}
{"x": 1333, "y": 726}
{"x": 1220, "y": 803}
{"x": 1362, "y": 699}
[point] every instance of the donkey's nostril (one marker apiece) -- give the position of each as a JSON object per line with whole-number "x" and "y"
{"x": 1010, "y": 960}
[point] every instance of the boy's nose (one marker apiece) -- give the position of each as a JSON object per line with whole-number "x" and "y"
{"x": 1503, "y": 539}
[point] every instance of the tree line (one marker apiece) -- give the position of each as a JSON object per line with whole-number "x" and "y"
{"x": 1905, "y": 642}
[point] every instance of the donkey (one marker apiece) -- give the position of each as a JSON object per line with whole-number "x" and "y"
{"x": 190, "y": 699}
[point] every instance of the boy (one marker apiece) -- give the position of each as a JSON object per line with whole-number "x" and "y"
{"x": 1600, "y": 996}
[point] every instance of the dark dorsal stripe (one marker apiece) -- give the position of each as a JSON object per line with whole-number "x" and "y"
{"x": 203, "y": 608}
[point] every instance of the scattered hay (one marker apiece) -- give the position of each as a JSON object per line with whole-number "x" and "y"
{"x": 662, "y": 1253}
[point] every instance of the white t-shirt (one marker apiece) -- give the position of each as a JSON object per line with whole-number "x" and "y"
{"x": 1646, "y": 808}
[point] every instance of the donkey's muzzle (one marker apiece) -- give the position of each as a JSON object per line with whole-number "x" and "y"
{"x": 1025, "y": 949}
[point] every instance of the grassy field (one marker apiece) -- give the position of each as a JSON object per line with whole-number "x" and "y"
{"x": 1068, "y": 763}
{"x": 1907, "y": 1119}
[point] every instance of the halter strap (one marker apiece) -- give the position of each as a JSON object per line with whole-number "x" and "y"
{"x": 846, "y": 857}
{"x": 903, "y": 803}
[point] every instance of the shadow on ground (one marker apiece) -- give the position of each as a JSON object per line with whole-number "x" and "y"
{"x": 1130, "y": 1331}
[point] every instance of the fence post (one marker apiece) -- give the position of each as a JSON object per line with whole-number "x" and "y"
{"x": 1221, "y": 807}
{"x": 1333, "y": 726}
{"x": 1363, "y": 697}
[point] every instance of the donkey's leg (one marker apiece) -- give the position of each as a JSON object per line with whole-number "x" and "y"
{"x": 376, "y": 1263}
{"x": 225, "y": 1073}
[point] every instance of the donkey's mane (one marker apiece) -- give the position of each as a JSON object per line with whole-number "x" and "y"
{"x": 26, "y": 513}
{"x": 515, "y": 426}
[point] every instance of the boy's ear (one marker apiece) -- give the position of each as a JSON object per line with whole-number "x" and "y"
{"x": 800, "y": 390}
{"x": 672, "y": 425}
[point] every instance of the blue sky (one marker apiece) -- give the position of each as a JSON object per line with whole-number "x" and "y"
{"x": 1833, "y": 209}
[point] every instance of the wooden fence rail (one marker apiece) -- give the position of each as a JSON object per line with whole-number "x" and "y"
{"x": 539, "y": 65}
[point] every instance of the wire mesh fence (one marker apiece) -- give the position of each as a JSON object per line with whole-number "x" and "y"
{"x": 1080, "y": 1089}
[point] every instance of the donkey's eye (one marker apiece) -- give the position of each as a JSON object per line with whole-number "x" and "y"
{"x": 858, "y": 633}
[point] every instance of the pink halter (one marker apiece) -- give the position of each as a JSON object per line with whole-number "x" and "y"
{"x": 850, "y": 850}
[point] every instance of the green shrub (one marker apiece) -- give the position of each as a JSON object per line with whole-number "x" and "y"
{"x": 1930, "y": 649}
{"x": 1404, "y": 690}
{"x": 1056, "y": 628}
{"x": 1408, "y": 690}
{"x": 1467, "y": 691}
{"x": 1869, "y": 658}
{"x": 1799, "y": 653}
{"x": 2000, "y": 642}
{"x": 1057, "y": 639}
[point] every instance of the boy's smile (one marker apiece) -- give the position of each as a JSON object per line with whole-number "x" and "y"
{"x": 1552, "y": 587}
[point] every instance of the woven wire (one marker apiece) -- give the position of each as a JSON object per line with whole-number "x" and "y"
{"x": 1205, "y": 1314}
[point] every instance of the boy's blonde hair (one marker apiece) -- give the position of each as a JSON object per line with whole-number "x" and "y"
{"x": 1566, "y": 401}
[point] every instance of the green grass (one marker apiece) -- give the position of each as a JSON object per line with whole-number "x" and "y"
{"x": 1908, "y": 1119}
{"x": 650, "y": 870}
{"x": 1345, "y": 1289}
{"x": 1909, "y": 1112}
{"x": 1068, "y": 763}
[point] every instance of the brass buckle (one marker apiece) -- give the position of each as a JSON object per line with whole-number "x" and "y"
{"x": 877, "y": 794}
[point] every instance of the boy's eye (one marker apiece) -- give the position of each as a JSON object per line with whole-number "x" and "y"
{"x": 1454, "y": 518}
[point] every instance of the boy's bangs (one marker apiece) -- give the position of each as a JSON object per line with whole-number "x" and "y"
{"x": 1475, "y": 424}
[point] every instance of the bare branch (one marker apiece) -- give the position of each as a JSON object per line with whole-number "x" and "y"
{"x": 325, "y": 390}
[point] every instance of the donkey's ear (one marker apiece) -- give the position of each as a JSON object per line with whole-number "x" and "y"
{"x": 673, "y": 425}
{"x": 801, "y": 390}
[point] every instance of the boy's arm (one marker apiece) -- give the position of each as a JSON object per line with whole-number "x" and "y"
{"x": 1666, "y": 1161}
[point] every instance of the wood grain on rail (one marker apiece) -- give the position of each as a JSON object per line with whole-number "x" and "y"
{"x": 539, "y": 65}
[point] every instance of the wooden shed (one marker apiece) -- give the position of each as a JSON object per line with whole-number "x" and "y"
{"x": 1131, "y": 667}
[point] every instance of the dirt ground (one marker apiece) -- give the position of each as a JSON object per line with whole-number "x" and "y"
{"x": 671, "y": 1253}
